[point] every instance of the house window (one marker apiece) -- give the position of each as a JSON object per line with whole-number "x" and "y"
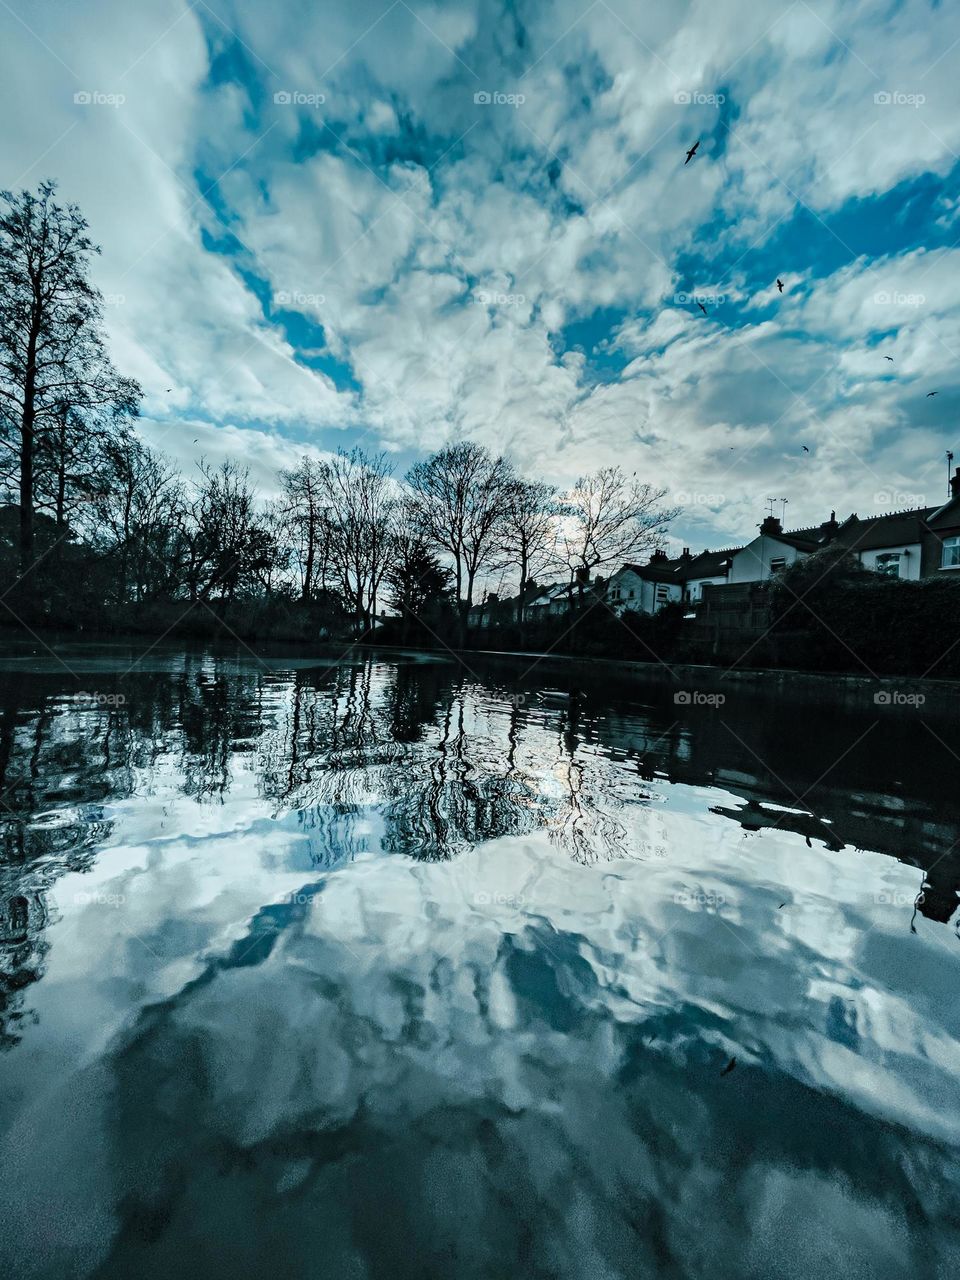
{"x": 776, "y": 566}
{"x": 951, "y": 554}
{"x": 631, "y": 595}
{"x": 888, "y": 563}
{"x": 663, "y": 594}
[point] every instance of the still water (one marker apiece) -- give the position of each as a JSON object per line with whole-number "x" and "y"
{"x": 392, "y": 967}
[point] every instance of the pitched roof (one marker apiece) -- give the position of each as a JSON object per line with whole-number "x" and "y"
{"x": 947, "y": 515}
{"x": 551, "y": 591}
{"x": 889, "y": 529}
{"x": 665, "y": 570}
{"x": 802, "y": 541}
{"x": 710, "y": 564}
{"x": 705, "y": 564}
{"x": 869, "y": 533}
{"x": 813, "y": 534}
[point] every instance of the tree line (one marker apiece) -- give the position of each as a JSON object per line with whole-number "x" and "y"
{"x": 93, "y": 515}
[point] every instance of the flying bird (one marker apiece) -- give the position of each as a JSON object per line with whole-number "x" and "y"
{"x": 781, "y": 906}
{"x": 692, "y": 152}
{"x": 729, "y": 1067}
{"x": 932, "y": 393}
{"x": 805, "y": 449}
{"x": 197, "y": 440}
{"x": 890, "y": 358}
{"x": 702, "y": 307}
{"x": 779, "y": 284}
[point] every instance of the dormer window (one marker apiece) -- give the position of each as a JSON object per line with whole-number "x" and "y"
{"x": 951, "y": 554}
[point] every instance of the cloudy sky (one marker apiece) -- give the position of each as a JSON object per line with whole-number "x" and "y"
{"x": 402, "y": 224}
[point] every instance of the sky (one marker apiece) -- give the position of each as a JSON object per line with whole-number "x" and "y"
{"x": 399, "y": 225}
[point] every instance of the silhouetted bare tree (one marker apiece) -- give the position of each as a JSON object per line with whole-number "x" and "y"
{"x": 361, "y": 500}
{"x": 529, "y": 534}
{"x": 305, "y": 497}
{"x": 55, "y": 375}
{"x": 608, "y": 518}
{"x": 140, "y": 516}
{"x": 228, "y": 543}
{"x": 459, "y": 498}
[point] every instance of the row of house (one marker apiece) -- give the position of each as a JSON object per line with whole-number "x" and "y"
{"x": 915, "y": 544}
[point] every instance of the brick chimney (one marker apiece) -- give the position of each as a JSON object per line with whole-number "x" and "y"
{"x": 955, "y": 484}
{"x": 658, "y": 556}
{"x": 685, "y": 554}
{"x": 771, "y": 525}
{"x": 829, "y": 529}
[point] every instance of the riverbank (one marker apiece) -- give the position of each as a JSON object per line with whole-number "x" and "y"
{"x": 701, "y": 684}
{"x": 688, "y": 685}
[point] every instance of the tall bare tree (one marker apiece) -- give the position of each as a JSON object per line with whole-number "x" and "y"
{"x": 305, "y": 504}
{"x": 138, "y": 518}
{"x": 459, "y": 497}
{"x": 361, "y": 498}
{"x": 607, "y": 518}
{"x": 228, "y": 543}
{"x": 53, "y": 364}
{"x": 418, "y": 584}
{"x": 528, "y": 537}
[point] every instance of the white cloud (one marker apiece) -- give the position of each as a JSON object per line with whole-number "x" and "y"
{"x": 386, "y": 211}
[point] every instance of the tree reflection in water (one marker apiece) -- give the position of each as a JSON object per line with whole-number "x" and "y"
{"x": 424, "y": 759}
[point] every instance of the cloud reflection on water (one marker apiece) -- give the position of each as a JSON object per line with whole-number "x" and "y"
{"x": 381, "y": 968}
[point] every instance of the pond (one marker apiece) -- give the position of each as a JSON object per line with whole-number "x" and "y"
{"x": 413, "y": 966}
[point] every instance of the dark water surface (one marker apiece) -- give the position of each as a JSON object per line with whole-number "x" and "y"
{"x": 395, "y": 968}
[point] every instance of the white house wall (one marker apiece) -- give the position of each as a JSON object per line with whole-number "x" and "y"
{"x": 909, "y": 559}
{"x": 752, "y": 562}
{"x": 631, "y": 588}
{"x": 637, "y": 593}
{"x": 650, "y": 602}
